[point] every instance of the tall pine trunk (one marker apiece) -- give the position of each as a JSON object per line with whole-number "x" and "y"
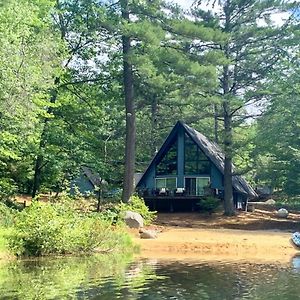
{"x": 216, "y": 124}
{"x": 154, "y": 111}
{"x": 228, "y": 195}
{"x": 130, "y": 111}
{"x": 229, "y": 209}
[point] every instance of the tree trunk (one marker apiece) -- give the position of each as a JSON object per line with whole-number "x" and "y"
{"x": 154, "y": 108}
{"x": 229, "y": 209}
{"x": 37, "y": 174}
{"x": 130, "y": 111}
{"x": 216, "y": 124}
{"x": 228, "y": 196}
{"x": 39, "y": 162}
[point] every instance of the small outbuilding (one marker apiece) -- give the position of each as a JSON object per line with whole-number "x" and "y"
{"x": 86, "y": 183}
{"x": 187, "y": 168}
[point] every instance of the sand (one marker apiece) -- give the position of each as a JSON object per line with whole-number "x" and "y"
{"x": 207, "y": 238}
{"x": 219, "y": 244}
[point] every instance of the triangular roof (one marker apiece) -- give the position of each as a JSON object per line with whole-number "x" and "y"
{"x": 211, "y": 150}
{"x": 92, "y": 176}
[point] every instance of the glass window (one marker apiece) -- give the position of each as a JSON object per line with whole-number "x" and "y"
{"x": 202, "y": 183}
{"x": 160, "y": 183}
{"x": 169, "y": 183}
{"x": 168, "y": 164}
{"x": 195, "y": 161}
{"x": 195, "y": 186}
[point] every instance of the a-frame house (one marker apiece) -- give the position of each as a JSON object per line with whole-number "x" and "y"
{"x": 187, "y": 168}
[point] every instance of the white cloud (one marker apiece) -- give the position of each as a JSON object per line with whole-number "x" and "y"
{"x": 186, "y": 4}
{"x": 280, "y": 18}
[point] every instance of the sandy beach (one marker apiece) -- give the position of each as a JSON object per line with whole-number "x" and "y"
{"x": 211, "y": 238}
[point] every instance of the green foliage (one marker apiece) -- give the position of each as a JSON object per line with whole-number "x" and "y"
{"x": 177, "y": 63}
{"x": 4, "y": 249}
{"x": 208, "y": 204}
{"x": 111, "y": 215}
{"x": 7, "y": 215}
{"x": 290, "y": 203}
{"x": 7, "y": 189}
{"x": 277, "y": 140}
{"x": 45, "y": 228}
{"x": 138, "y": 205}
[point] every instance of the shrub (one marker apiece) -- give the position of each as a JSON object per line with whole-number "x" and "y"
{"x": 208, "y": 204}
{"x": 290, "y": 203}
{"x": 7, "y": 189}
{"x": 45, "y": 228}
{"x": 6, "y": 215}
{"x": 110, "y": 215}
{"x": 138, "y": 205}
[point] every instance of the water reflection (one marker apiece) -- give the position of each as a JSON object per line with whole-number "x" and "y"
{"x": 102, "y": 277}
{"x": 296, "y": 263}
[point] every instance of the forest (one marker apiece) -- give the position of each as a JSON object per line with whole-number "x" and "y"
{"x": 101, "y": 83}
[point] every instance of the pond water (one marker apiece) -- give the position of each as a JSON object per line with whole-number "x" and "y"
{"x": 112, "y": 277}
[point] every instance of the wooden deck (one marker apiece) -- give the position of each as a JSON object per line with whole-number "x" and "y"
{"x": 172, "y": 203}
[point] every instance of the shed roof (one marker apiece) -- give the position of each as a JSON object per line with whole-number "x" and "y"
{"x": 92, "y": 176}
{"x": 212, "y": 151}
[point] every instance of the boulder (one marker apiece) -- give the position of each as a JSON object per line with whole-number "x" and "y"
{"x": 133, "y": 219}
{"x": 148, "y": 234}
{"x": 271, "y": 202}
{"x": 282, "y": 213}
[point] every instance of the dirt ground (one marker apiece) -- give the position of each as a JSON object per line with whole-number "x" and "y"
{"x": 257, "y": 220}
{"x": 258, "y": 236}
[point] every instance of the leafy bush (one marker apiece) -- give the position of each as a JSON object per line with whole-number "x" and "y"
{"x": 208, "y": 204}
{"x": 138, "y": 205}
{"x": 7, "y": 189}
{"x": 45, "y": 228}
{"x": 111, "y": 215}
{"x": 6, "y": 215}
{"x": 290, "y": 203}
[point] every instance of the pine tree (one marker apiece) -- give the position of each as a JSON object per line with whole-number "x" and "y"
{"x": 255, "y": 44}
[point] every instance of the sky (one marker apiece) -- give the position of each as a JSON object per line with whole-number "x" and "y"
{"x": 184, "y": 3}
{"x": 277, "y": 18}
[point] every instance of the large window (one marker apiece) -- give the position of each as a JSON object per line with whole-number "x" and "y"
{"x": 195, "y": 161}
{"x": 168, "y": 164}
{"x": 168, "y": 183}
{"x": 196, "y": 186}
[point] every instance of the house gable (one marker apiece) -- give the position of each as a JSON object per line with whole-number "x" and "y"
{"x": 195, "y": 156}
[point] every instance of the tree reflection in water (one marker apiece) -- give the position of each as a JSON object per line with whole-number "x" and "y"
{"x": 117, "y": 277}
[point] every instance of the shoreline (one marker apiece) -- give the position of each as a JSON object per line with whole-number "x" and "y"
{"x": 261, "y": 246}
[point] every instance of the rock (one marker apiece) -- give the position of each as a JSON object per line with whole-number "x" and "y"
{"x": 133, "y": 219}
{"x": 282, "y": 213}
{"x": 270, "y": 202}
{"x": 148, "y": 234}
